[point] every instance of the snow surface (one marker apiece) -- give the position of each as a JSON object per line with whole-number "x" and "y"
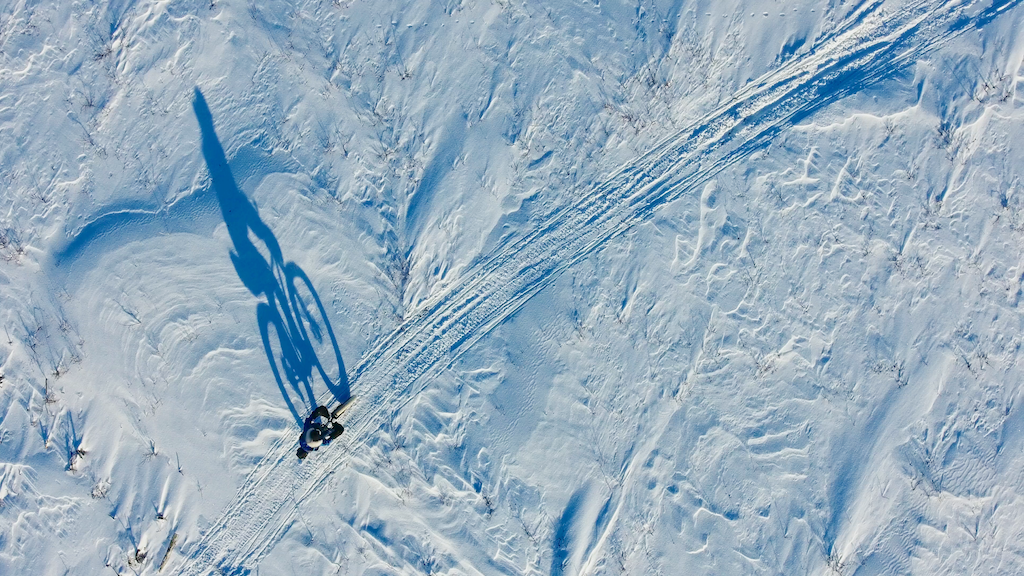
{"x": 642, "y": 288}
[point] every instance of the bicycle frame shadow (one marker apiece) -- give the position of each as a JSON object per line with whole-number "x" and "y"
{"x": 292, "y": 310}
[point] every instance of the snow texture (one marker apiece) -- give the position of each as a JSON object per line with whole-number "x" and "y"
{"x": 657, "y": 287}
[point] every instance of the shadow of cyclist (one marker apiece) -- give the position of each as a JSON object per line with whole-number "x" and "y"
{"x": 292, "y": 313}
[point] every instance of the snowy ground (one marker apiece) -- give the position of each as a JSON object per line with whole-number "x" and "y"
{"x": 642, "y": 288}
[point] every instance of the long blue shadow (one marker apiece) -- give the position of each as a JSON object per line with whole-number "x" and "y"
{"x": 292, "y": 314}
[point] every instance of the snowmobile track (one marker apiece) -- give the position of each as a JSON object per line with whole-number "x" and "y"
{"x": 866, "y": 47}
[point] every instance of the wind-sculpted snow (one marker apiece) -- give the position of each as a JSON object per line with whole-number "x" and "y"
{"x": 868, "y": 46}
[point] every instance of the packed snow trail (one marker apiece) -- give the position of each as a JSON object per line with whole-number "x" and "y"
{"x": 867, "y": 46}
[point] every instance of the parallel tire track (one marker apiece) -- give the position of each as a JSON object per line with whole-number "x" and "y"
{"x": 866, "y": 47}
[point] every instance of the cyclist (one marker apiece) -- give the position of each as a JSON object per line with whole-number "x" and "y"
{"x": 318, "y": 430}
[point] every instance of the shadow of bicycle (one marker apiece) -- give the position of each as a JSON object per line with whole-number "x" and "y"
{"x": 293, "y": 323}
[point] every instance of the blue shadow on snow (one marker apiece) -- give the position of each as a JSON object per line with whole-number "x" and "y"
{"x": 291, "y": 315}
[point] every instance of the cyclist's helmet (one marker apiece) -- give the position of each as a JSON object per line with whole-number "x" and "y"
{"x": 314, "y": 437}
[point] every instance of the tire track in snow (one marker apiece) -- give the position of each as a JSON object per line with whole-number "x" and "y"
{"x": 866, "y": 47}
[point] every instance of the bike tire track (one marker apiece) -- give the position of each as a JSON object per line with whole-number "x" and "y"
{"x": 867, "y": 46}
